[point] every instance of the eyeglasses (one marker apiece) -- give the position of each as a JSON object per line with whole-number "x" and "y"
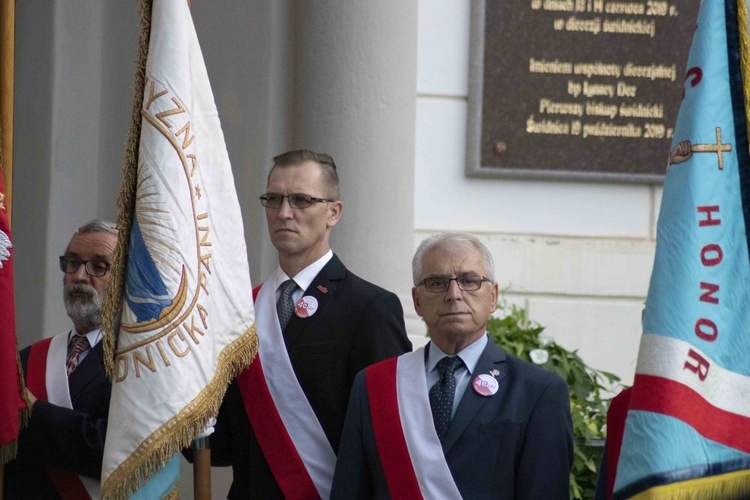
{"x": 466, "y": 283}
{"x": 296, "y": 200}
{"x": 94, "y": 267}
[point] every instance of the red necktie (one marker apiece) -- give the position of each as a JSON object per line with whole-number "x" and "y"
{"x": 79, "y": 344}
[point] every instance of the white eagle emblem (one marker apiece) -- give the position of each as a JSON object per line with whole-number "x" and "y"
{"x": 5, "y": 246}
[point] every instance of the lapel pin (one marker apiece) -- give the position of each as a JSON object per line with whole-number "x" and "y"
{"x": 306, "y": 306}
{"x": 322, "y": 289}
{"x": 485, "y": 385}
{"x": 494, "y": 372}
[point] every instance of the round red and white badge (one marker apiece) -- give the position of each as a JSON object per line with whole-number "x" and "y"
{"x": 485, "y": 385}
{"x": 306, "y": 306}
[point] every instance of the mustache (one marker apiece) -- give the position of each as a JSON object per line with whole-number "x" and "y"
{"x": 78, "y": 288}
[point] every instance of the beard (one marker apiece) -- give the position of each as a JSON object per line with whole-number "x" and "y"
{"x": 85, "y": 310}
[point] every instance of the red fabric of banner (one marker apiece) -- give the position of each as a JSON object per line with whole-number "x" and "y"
{"x": 11, "y": 402}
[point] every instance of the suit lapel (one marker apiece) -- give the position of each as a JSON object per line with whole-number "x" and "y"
{"x": 322, "y": 288}
{"x": 492, "y": 358}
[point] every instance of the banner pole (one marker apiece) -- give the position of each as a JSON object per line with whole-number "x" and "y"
{"x": 7, "y": 50}
{"x": 201, "y": 459}
{"x": 7, "y": 61}
{"x": 201, "y": 468}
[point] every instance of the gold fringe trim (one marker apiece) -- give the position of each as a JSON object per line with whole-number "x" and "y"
{"x": 24, "y": 414}
{"x": 744, "y": 58}
{"x": 179, "y": 431}
{"x": 8, "y": 452}
{"x": 733, "y": 485}
{"x": 173, "y": 494}
{"x": 126, "y": 200}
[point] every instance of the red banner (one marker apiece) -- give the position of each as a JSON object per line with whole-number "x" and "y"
{"x": 11, "y": 403}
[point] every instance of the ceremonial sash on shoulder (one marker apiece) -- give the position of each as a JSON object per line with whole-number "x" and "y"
{"x": 411, "y": 454}
{"x": 285, "y": 425}
{"x": 47, "y": 379}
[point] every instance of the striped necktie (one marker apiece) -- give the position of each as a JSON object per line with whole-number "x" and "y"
{"x": 79, "y": 344}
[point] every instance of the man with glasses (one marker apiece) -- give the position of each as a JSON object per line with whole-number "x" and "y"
{"x": 318, "y": 325}
{"x": 459, "y": 418}
{"x": 60, "y": 452}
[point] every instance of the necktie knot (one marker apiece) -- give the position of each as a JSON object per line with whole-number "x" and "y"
{"x": 448, "y": 365}
{"x": 285, "y": 304}
{"x": 79, "y": 344}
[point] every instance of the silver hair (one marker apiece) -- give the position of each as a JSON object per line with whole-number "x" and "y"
{"x": 449, "y": 239}
{"x": 95, "y": 226}
{"x": 98, "y": 226}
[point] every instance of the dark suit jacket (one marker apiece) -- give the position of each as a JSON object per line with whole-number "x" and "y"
{"x": 355, "y": 325}
{"x": 517, "y": 443}
{"x": 70, "y": 439}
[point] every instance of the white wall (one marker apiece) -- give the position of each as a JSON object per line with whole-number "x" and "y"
{"x": 74, "y": 67}
{"x": 577, "y": 255}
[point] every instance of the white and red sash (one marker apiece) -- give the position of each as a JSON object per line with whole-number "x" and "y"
{"x": 411, "y": 454}
{"x": 285, "y": 425}
{"x": 47, "y": 379}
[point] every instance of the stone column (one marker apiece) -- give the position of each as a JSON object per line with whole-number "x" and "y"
{"x": 74, "y": 69}
{"x": 355, "y": 67}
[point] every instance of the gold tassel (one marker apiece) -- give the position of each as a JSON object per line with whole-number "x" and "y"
{"x": 24, "y": 414}
{"x": 733, "y": 485}
{"x": 126, "y": 201}
{"x": 178, "y": 432}
{"x": 744, "y": 57}
{"x": 8, "y": 452}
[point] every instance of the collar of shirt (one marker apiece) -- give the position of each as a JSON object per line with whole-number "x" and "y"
{"x": 302, "y": 278}
{"x": 94, "y": 336}
{"x": 469, "y": 355}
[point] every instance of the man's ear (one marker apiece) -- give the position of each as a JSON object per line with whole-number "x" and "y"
{"x": 334, "y": 212}
{"x": 494, "y": 295}
{"x": 415, "y": 298}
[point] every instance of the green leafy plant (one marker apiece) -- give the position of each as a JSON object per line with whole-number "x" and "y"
{"x": 589, "y": 389}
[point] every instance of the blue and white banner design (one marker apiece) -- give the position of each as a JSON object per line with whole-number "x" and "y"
{"x": 187, "y": 324}
{"x": 687, "y": 433}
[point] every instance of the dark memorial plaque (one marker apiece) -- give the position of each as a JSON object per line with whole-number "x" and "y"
{"x": 576, "y": 89}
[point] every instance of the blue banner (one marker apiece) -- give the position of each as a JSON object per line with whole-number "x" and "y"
{"x": 687, "y": 433}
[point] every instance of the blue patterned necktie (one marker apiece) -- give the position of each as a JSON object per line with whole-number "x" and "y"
{"x": 285, "y": 304}
{"x": 441, "y": 394}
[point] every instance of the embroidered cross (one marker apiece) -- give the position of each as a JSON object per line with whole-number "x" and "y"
{"x": 684, "y": 150}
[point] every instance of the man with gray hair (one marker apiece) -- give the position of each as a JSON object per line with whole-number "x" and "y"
{"x": 60, "y": 452}
{"x": 459, "y": 418}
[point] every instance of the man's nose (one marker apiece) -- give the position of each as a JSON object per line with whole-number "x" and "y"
{"x": 285, "y": 210}
{"x": 453, "y": 292}
{"x": 81, "y": 274}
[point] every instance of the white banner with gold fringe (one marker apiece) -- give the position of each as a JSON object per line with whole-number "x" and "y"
{"x": 187, "y": 322}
